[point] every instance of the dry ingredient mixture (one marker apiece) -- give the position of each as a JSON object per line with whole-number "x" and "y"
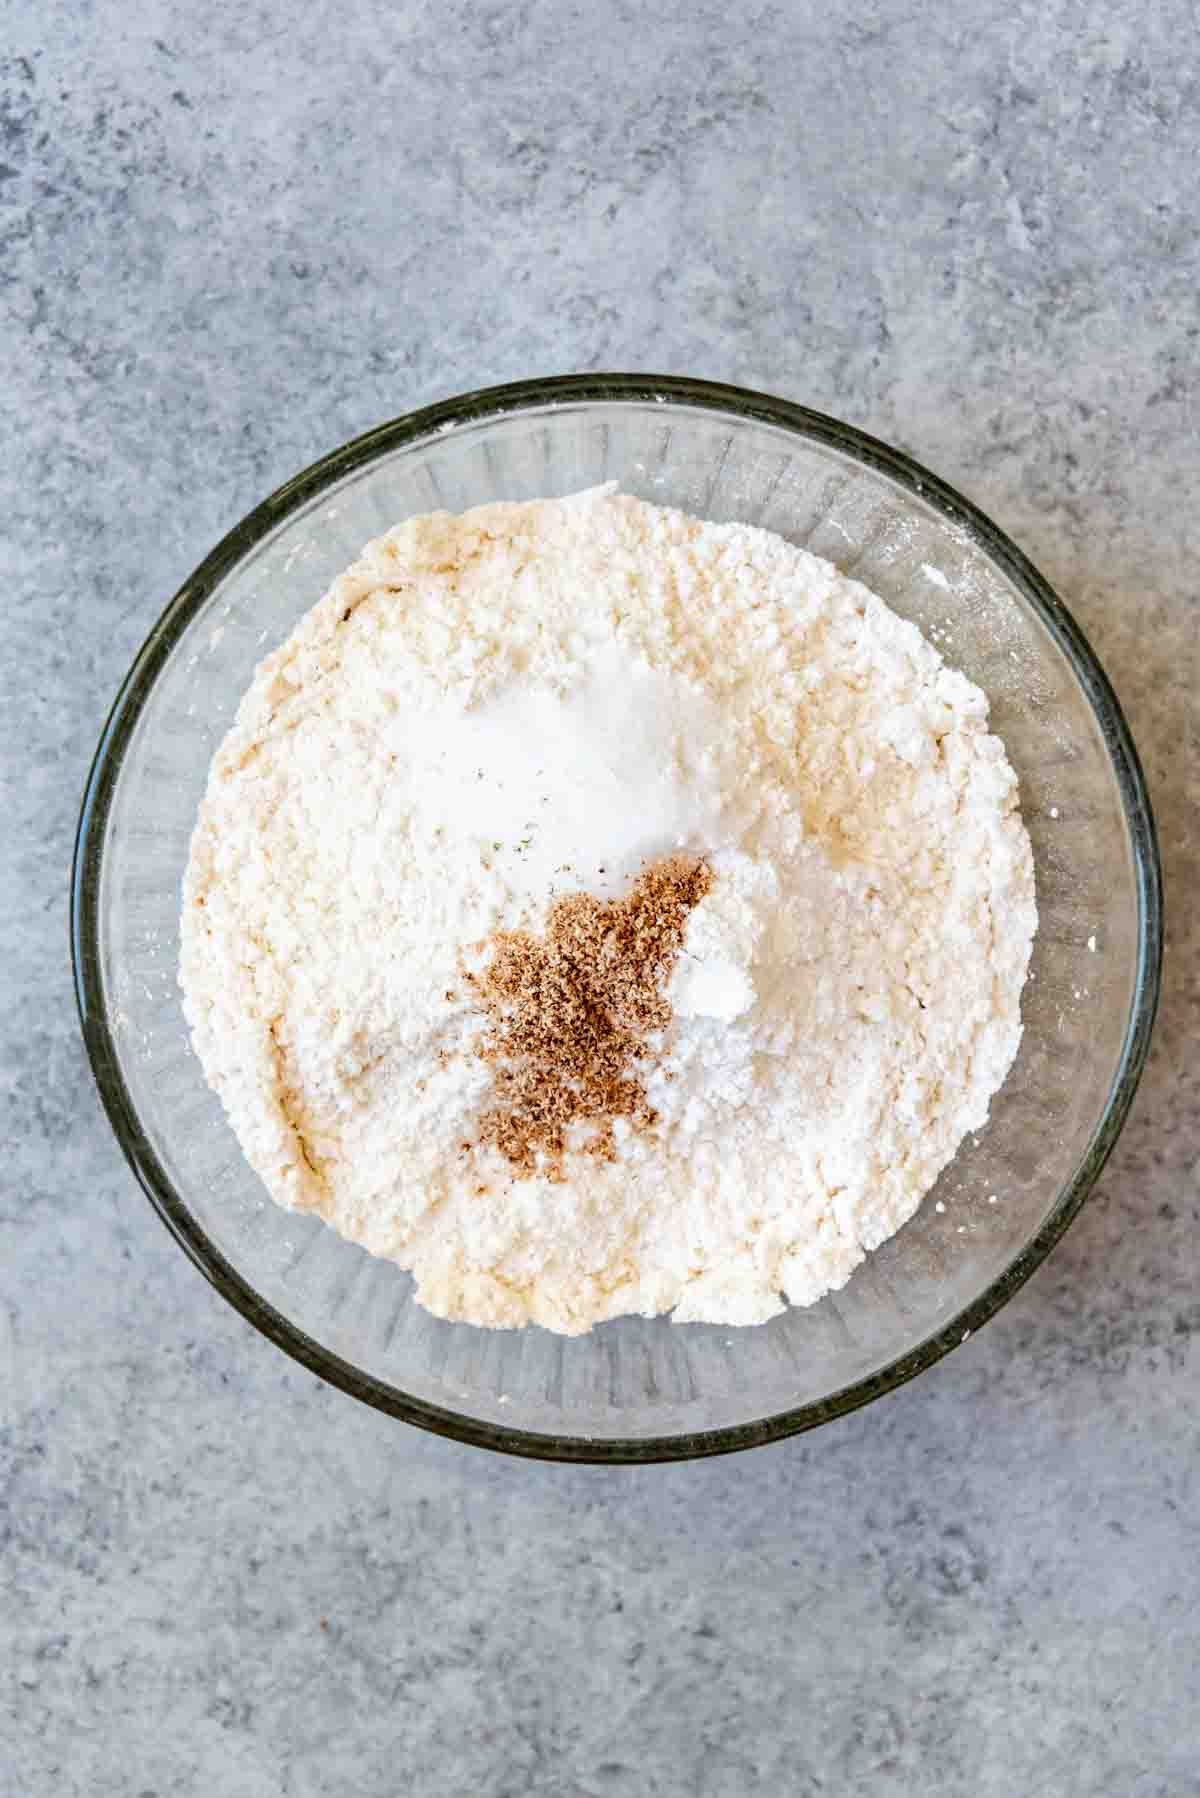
{"x": 597, "y": 910}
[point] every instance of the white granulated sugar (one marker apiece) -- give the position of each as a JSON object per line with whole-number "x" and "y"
{"x": 489, "y": 712}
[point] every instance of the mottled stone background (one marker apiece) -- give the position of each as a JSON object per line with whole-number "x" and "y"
{"x": 233, "y": 235}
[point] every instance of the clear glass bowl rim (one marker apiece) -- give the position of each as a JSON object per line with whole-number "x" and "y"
{"x": 473, "y": 408}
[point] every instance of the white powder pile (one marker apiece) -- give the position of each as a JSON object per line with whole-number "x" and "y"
{"x": 489, "y": 714}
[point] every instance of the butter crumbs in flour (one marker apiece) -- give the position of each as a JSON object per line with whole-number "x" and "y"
{"x": 596, "y": 910}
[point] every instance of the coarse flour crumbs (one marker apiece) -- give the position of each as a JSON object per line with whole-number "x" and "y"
{"x": 596, "y": 910}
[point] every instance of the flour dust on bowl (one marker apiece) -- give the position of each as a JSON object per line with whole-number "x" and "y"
{"x": 635, "y": 1387}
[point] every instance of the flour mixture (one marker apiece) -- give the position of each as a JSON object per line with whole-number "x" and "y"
{"x": 596, "y": 910}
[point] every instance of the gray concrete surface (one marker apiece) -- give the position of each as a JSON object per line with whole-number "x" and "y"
{"x": 232, "y": 236}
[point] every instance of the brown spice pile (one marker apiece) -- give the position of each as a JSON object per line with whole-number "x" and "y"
{"x": 570, "y": 1015}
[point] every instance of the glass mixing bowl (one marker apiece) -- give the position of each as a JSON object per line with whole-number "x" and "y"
{"x": 636, "y": 1389}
